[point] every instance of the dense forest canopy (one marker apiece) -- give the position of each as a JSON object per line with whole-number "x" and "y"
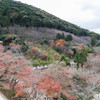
{"x": 14, "y": 12}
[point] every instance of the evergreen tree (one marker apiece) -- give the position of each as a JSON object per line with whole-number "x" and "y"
{"x": 58, "y": 36}
{"x": 68, "y": 38}
{"x": 77, "y": 59}
{"x": 93, "y": 41}
{"x": 80, "y": 58}
{"x": 63, "y": 36}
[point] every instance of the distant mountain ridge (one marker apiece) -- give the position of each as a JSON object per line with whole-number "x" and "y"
{"x": 14, "y": 12}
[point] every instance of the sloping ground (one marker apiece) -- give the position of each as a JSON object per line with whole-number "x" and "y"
{"x": 18, "y": 75}
{"x": 39, "y": 33}
{"x": 83, "y": 83}
{"x": 17, "y": 72}
{"x": 49, "y": 51}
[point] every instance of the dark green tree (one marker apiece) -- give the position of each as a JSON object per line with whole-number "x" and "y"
{"x": 65, "y": 59}
{"x": 58, "y": 36}
{"x": 63, "y": 36}
{"x": 93, "y": 41}
{"x": 68, "y": 38}
{"x": 80, "y": 58}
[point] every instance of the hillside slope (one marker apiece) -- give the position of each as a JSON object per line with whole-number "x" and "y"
{"x": 13, "y": 12}
{"x": 22, "y": 81}
{"x": 40, "y": 33}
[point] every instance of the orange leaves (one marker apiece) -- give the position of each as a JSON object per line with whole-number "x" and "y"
{"x": 80, "y": 46}
{"x": 19, "y": 89}
{"x": 49, "y": 85}
{"x": 19, "y": 85}
{"x": 59, "y": 42}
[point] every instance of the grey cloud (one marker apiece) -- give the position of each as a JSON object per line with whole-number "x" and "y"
{"x": 95, "y": 23}
{"x": 91, "y": 24}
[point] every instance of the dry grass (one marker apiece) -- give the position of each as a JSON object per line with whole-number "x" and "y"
{"x": 34, "y": 33}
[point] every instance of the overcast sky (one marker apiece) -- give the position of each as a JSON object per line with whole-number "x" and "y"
{"x": 84, "y": 13}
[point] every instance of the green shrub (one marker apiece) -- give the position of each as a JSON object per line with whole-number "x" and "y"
{"x": 68, "y": 38}
{"x": 89, "y": 45}
{"x": 44, "y": 41}
{"x": 37, "y": 62}
{"x": 93, "y": 41}
{"x": 40, "y": 62}
{"x": 89, "y": 50}
{"x": 24, "y": 47}
{"x": 65, "y": 59}
{"x": 62, "y": 36}
{"x": 58, "y": 49}
{"x": 58, "y": 36}
{"x": 98, "y": 44}
{"x": 7, "y": 38}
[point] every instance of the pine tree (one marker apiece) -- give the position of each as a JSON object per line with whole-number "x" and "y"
{"x": 63, "y": 36}
{"x": 77, "y": 59}
{"x": 80, "y": 58}
{"x": 58, "y": 36}
{"x": 68, "y": 38}
{"x": 93, "y": 41}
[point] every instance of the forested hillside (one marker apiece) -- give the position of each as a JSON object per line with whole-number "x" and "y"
{"x": 13, "y": 12}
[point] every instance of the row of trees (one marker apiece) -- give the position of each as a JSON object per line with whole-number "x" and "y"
{"x": 62, "y": 36}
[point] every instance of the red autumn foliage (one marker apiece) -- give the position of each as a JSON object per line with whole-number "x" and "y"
{"x": 49, "y": 85}
{"x": 19, "y": 89}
